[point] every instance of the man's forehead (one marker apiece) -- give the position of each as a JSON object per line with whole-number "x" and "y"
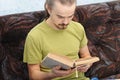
{"x": 63, "y": 16}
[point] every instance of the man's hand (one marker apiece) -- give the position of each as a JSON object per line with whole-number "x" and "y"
{"x": 83, "y": 68}
{"x": 60, "y": 73}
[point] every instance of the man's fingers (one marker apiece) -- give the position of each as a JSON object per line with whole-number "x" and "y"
{"x": 83, "y": 68}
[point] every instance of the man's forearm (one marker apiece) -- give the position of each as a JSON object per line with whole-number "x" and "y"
{"x": 38, "y": 75}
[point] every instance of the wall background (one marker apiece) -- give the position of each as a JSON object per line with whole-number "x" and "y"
{"x": 19, "y": 6}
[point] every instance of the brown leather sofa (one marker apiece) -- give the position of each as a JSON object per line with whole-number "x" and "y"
{"x": 101, "y": 22}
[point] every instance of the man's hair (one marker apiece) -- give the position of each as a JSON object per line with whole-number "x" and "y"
{"x": 50, "y": 4}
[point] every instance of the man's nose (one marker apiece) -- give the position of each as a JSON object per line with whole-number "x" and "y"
{"x": 66, "y": 21}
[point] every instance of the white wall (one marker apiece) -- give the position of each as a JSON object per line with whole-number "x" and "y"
{"x": 19, "y": 6}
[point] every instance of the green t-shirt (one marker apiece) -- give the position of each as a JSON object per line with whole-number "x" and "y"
{"x": 43, "y": 39}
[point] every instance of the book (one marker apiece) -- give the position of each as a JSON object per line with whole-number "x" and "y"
{"x": 52, "y": 60}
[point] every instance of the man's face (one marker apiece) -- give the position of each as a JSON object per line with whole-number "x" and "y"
{"x": 61, "y": 15}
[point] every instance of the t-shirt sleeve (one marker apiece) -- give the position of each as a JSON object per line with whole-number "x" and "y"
{"x": 32, "y": 51}
{"x": 82, "y": 35}
{"x": 84, "y": 39}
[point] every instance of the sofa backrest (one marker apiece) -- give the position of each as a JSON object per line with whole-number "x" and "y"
{"x": 13, "y": 31}
{"x": 102, "y": 25}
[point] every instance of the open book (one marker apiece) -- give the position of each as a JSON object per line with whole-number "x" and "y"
{"x": 52, "y": 60}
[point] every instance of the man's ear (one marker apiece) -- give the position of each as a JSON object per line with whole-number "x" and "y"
{"x": 48, "y": 8}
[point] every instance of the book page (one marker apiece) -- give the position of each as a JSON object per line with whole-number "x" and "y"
{"x": 84, "y": 61}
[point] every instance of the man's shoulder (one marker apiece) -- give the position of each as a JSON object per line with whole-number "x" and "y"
{"x": 36, "y": 28}
{"x": 75, "y": 22}
{"x": 35, "y": 31}
{"x": 76, "y": 25}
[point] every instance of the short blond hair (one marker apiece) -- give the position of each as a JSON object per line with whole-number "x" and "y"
{"x": 50, "y": 3}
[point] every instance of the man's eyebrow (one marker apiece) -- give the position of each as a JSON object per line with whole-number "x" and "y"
{"x": 71, "y": 15}
{"x": 60, "y": 16}
{"x": 64, "y": 17}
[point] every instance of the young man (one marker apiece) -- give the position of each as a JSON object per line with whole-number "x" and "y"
{"x": 56, "y": 34}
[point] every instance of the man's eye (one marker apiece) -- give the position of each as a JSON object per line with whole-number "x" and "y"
{"x": 60, "y": 17}
{"x": 70, "y": 16}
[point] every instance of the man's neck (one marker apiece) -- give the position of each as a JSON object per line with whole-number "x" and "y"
{"x": 49, "y": 22}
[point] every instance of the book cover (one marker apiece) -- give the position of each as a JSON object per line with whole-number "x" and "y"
{"x": 52, "y": 60}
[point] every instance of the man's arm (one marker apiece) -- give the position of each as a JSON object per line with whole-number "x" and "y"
{"x": 36, "y": 74}
{"x": 84, "y": 53}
